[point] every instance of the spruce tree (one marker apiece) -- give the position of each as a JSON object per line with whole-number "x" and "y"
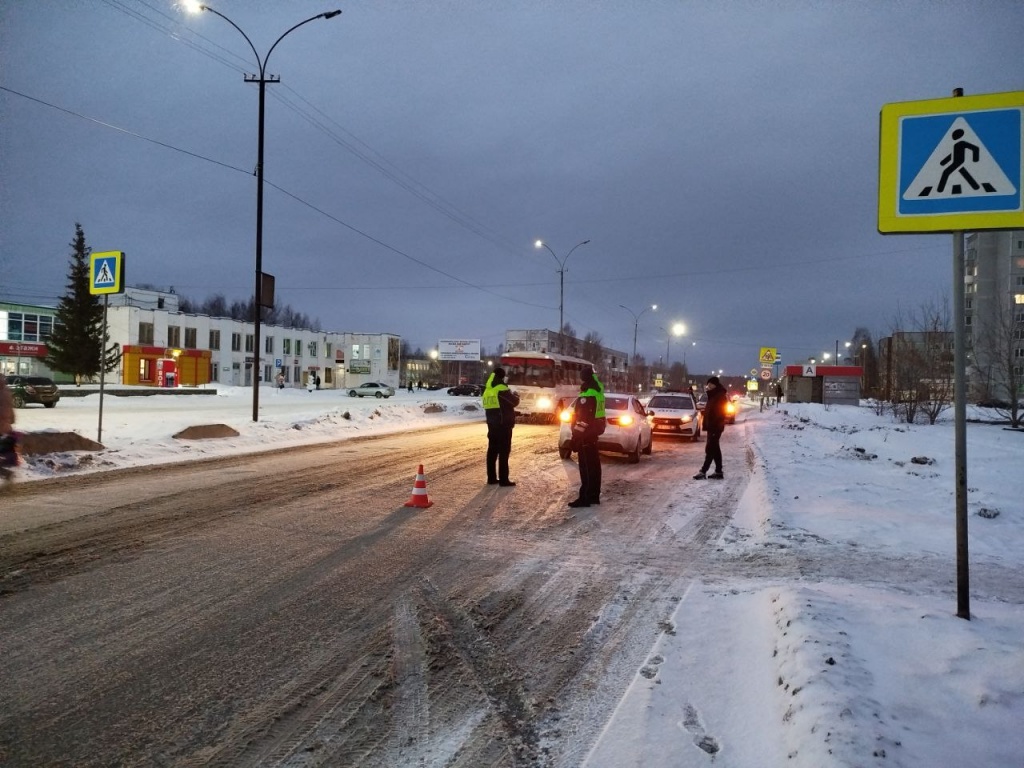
{"x": 77, "y": 337}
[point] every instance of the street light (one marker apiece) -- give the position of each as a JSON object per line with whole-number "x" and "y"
{"x": 262, "y": 79}
{"x": 636, "y": 322}
{"x": 678, "y": 329}
{"x": 561, "y": 282}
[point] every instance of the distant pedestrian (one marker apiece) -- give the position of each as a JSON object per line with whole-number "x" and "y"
{"x": 714, "y": 425}
{"x": 410, "y": 386}
{"x": 318, "y": 381}
{"x": 8, "y": 441}
{"x": 588, "y": 424}
{"x": 500, "y": 409}
{"x": 280, "y": 380}
{"x": 778, "y": 394}
{"x": 6, "y": 407}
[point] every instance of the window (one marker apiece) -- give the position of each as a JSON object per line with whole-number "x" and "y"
{"x": 286, "y": 346}
{"x": 1018, "y": 298}
{"x": 236, "y": 342}
{"x": 190, "y": 338}
{"x": 1019, "y": 281}
{"x": 972, "y": 270}
{"x": 250, "y": 342}
{"x": 297, "y": 374}
{"x": 298, "y": 346}
{"x": 146, "y": 334}
{"x": 312, "y": 349}
{"x": 968, "y": 303}
{"x": 327, "y": 349}
{"x": 173, "y": 335}
{"x": 268, "y": 345}
{"x": 967, "y": 320}
{"x": 214, "y": 340}
{"x": 1018, "y": 353}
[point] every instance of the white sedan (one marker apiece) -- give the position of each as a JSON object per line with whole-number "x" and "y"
{"x": 628, "y": 431}
{"x": 371, "y": 388}
{"x": 675, "y": 413}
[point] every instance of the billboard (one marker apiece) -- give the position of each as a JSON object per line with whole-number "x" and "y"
{"x": 458, "y": 349}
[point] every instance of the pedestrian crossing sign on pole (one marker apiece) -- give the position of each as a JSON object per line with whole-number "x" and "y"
{"x": 106, "y": 272}
{"x": 955, "y": 164}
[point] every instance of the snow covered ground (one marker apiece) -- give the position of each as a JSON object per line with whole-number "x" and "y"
{"x": 823, "y": 632}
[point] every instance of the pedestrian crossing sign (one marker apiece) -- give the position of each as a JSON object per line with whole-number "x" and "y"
{"x": 953, "y": 164}
{"x": 768, "y": 354}
{"x": 106, "y": 272}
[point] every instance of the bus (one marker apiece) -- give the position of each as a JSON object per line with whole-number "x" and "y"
{"x": 546, "y": 383}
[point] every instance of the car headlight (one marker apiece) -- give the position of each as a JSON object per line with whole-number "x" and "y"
{"x": 686, "y": 419}
{"x": 730, "y": 408}
{"x": 566, "y": 416}
{"x": 544, "y": 402}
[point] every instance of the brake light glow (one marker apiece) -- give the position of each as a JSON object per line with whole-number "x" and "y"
{"x": 625, "y": 420}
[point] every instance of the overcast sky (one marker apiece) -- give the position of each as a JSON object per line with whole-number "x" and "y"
{"x": 720, "y": 157}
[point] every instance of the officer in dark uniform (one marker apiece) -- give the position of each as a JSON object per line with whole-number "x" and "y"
{"x": 588, "y": 423}
{"x": 500, "y": 409}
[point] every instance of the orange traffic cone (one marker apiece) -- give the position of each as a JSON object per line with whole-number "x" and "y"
{"x": 419, "y": 492}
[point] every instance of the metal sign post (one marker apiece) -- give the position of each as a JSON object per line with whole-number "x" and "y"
{"x": 106, "y": 276}
{"x": 953, "y": 165}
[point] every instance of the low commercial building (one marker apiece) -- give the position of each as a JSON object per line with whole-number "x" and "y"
{"x": 161, "y": 346}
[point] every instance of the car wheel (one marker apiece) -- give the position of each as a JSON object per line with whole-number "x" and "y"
{"x": 352, "y": 393}
{"x": 378, "y": 395}
{"x": 50, "y": 405}
{"x": 565, "y": 451}
{"x": 634, "y": 455}
{"x": 650, "y": 446}
{"x": 19, "y": 401}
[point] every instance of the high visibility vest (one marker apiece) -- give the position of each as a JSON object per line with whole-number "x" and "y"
{"x": 600, "y": 399}
{"x": 598, "y": 395}
{"x": 490, "y": 396}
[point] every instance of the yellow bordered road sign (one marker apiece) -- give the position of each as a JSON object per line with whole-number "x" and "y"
{"x": 106, "y": 272}
{"x": 768, "y": 355}
{"x": 946, "y": 165}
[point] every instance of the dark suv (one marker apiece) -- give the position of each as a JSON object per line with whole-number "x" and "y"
{"x": 33, "y": 389}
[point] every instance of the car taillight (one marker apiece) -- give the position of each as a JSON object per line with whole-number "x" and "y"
{"x": 624, "y": 421}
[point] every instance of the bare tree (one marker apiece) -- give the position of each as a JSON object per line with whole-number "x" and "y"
{"x": 998, "y": 360}
{"x": 591, "y": 349}
{"x": 920, "y": 364}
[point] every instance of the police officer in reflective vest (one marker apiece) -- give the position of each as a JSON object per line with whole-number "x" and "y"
{"x": 500, "y": 408}
{"x": 588, "y": 423}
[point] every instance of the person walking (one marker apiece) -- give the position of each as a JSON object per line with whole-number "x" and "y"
{"x": 500, "y": 409}
{"x": 588, "y": 424}
{"x": 8, "y": 442}
{"x": 714, "y": 425}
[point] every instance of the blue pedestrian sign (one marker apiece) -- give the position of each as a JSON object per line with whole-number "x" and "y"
{"x": 106, "y": 272}
{"x": 952, "y": 164}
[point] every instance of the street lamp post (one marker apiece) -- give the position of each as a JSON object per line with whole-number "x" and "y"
{"x": 636, "y": 324}
{"x": 561, "y": 282}
{"x": 678, "y": 329}
{"x": 262, "y": 79}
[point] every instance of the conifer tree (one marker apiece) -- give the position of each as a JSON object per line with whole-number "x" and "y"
{"x": 77, "y": 338}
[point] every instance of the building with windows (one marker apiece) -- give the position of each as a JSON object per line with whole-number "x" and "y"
{"x": 994, "y": 313}
{"x": 161, "y": 346}
{"x": 24, "y": 329}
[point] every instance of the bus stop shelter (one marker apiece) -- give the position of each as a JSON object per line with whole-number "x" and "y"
{"x": 827, "y": 384}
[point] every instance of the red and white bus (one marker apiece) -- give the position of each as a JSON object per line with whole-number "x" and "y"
{"x": 545, "y": 383}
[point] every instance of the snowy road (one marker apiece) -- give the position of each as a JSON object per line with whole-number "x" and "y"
{"x": 287, "y": 609}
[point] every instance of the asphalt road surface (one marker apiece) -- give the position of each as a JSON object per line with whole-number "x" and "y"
{"x": 287, "y": 608}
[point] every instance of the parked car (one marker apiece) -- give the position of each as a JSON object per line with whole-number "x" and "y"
{"x": 675, "y": 414}
{"x": 473, "y": 390}
{"x": 628, "y": 431}
{"x": 33, "y": 389}
{"x": 371, "y": 388}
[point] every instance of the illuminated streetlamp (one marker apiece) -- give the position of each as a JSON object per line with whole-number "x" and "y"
{"x": 262, "y": 79}
{"x": 678, "y": 329}
{"x": 561, "y": 282}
